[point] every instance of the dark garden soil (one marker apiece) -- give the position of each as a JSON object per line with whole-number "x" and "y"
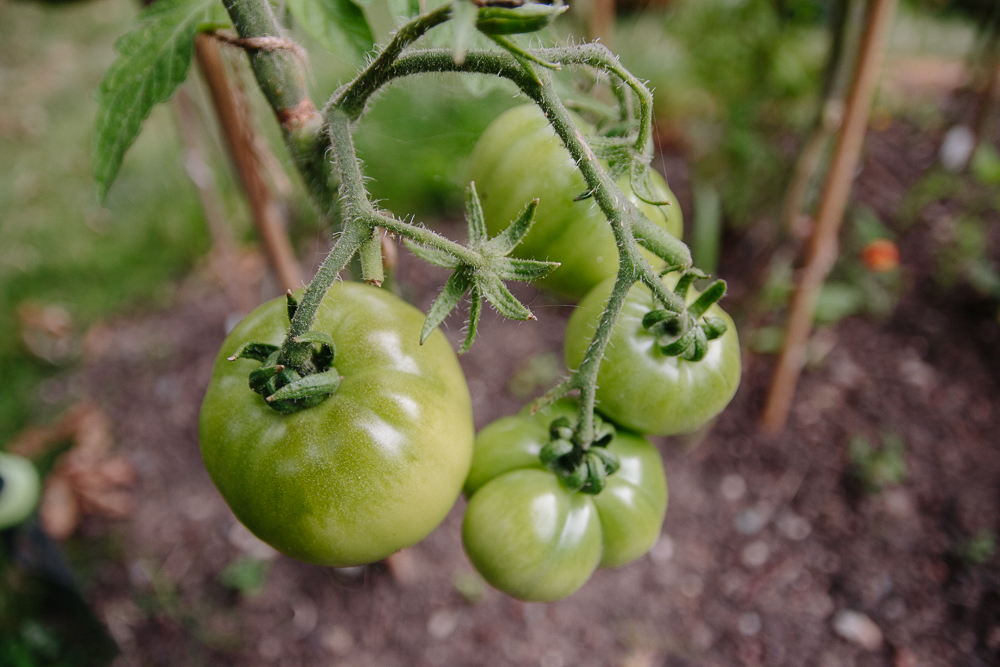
{"x": 767, "y": 540}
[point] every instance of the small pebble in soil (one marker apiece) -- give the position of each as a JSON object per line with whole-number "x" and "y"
{"x": 269, "y": 647}
{"x": 905, "y": 658}
{"x": 794, "y": 527}
{"x": 752, "y": 520}
{"x": 663, "y": 550}
{"x": 733, "y": 487}
{"x": 894, "y": 609}
{"x": 755, "y": 554}
{"x": 552, "y": 659}
{"x": 749, "y": 624}
{"x": 304, "y": 616}
{"x": 858, "y": 629}
{"x": 442, "y": 623}
{"x": 337, "y": 640}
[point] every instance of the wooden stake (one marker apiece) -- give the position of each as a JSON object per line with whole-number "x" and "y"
{"x": 238, "y": 130}
{"x": 602, "y": 21}
{"x": 821, "y": 251}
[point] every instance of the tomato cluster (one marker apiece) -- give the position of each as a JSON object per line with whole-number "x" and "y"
{"x": 373, "y": 463}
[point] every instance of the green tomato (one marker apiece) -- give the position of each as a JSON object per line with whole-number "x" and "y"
{"x": 520, "y": 158}
{"x": 372, "y": 469}
{"x": 19, "y": 488}
{"x": 530, "y": 537}
{"x": 637, "y": 385}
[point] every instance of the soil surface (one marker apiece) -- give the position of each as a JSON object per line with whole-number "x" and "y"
{"x": 767, "y": 540}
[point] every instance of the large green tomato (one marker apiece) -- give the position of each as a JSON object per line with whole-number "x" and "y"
{"x": 637, "y": 385}
{"x": 372, "y": 469}
{"x": 518, "y": 158}
{"x": 533, "y": 539}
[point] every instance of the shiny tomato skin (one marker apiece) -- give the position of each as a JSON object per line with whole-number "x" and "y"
{"x": 637, "y": 385}
{"x": 372, "y": 469}
{"x": 518, "y": 158}
{"x": 533, "y": 539}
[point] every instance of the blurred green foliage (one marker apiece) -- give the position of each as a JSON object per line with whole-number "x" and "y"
{"x": 877, "y": 468}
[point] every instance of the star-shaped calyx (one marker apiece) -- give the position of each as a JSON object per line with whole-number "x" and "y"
{"x": 484, "y": 277}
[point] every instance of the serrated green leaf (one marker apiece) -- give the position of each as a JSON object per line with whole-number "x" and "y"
{"x": 474, "y": 216}
{"x": 451, "y": 294}
{"x": 339, "y": 26}
{"x": 153, "y": 60}
{"x": 475, "y": 309}
{"x": 525, "y": 270}
{"x": 504, "y": 242}
{"x": 432, "y": 255}
{"x": 506, "y": 304}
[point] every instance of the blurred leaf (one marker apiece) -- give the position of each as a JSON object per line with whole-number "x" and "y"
{"x": 246, "y": 575}
{"x": 837, "y": 301}
{"x": 985, "y": 165}
{"x": 338, "y": 25}
{"x": 153, "y": 60}
{"x": 978, "y": 549}
{"x": 878, "y": 468}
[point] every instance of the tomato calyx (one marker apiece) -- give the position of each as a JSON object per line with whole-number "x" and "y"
{"x": 686, "y": 333}
{"x": 583, "y": 469}
{"x": 483, "y": 279}
{"x": 287, "y": 388}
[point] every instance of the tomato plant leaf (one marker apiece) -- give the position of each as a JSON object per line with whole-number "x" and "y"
{"x": 339, "y": 26}
{"x": 152, "y": 61}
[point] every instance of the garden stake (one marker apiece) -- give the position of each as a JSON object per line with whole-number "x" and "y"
{"x": 242, "y": 148}
{"x": 821, "y": 252}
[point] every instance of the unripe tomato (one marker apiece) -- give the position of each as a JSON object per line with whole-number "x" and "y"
{"x": 535, "y": 540}
{"x": 637, "y": 385}
{"x": 880, "y": 256}
{"x": 372, "y": 469}
{"x": 519, "y": 158}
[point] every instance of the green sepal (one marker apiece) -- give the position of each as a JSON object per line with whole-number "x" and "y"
{"x": 311, "y": 386}
{"x": 256, "y": 351}
{"x": 474, "y": 217}
{"x": 639, "y": 180}
{"x": 318, "y": 337}
{"x": 715, "y": 291}
{"x": 575, "y": 480}
{"x": 504, "y": 243}
{"x": 610, "y": 460}
{"x": 505, "y": 303}
{"x": 525, "y": 270}
{"x": 714, "y": 327}
{"x": 679, "y": 346}
{"x": 323, "y": 358}
{"x": 604, "y": 432}
{"x": 529, "y": 17}
{"x": 697, "y": 351}
{"x": 432, "y": 255}
{"x": 553, "y": 451}
{"x": 261, "y": 376}
{"x": 451, "y": 294}
{"x": 684, "y": 282}
{"x": 597, "y": 476}
{"x": 664, "y": 323}
{"x": 475, "y": 310}
{"x": 291, "y": 304}
{"x": 561, "y": 428}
